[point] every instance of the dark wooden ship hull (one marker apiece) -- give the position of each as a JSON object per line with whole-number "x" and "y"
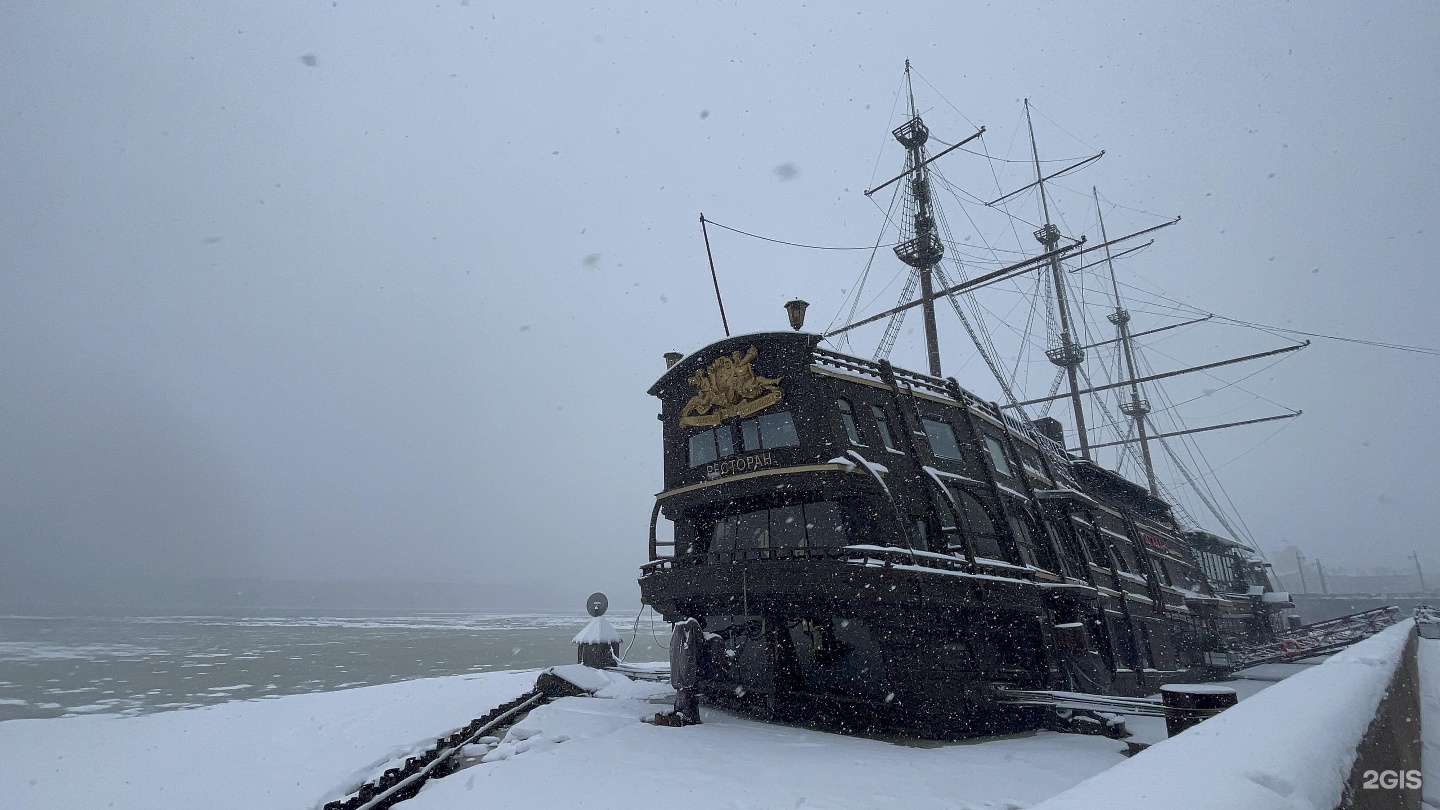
{"x": 913, "y": 595}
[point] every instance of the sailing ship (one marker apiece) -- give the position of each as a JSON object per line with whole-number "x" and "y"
{"x": 867, "y": 546}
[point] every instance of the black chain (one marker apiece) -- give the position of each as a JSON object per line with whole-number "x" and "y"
{"x": 439, "y": 759}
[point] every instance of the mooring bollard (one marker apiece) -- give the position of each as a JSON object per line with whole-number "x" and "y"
{"x": 1186, "y": 704}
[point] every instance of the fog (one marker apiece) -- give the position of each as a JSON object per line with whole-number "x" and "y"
{"x": 340, "y": 292}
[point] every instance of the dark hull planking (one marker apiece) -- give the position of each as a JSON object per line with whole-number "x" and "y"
{"x": 874, "y": 548}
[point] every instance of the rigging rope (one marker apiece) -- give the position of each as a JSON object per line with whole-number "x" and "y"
{"x": 792, "y": 244}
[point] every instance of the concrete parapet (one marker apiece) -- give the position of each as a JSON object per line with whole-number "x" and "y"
{"x": 1310, "y": 742}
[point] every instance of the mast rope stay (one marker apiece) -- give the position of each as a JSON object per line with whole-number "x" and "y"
{"x": 1202, "y": 487}
{"x": 793, "y": 244}
{"x": 858, "y": 288}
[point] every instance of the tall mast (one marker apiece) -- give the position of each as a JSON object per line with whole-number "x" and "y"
{"x": 924, "y": 250}
{"x": 1137, "y": 407}
{"x": 1068, "y": 355}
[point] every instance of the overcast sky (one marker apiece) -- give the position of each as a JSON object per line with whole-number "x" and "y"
{"x": 347, "y": 290}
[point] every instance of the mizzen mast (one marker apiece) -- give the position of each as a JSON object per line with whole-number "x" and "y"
{"x": 1067, "y": 353}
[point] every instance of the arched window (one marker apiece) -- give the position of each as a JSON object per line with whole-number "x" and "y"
{"x": 978, "y": 525}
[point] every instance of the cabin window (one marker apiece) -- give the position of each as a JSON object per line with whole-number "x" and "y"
{"x": 1163, "y": 571}
{"x": 978, "y": 525}
{"x": 998, "y": 456}
{"x": 709, "y": 445}
{"x": 882, "y": 421}
{"x": 847, "y": 416}
{"x": 1070, "y": 559}
{"x": 919, "y": 534}
{"x": 787, "y": 527}
{"x": 1030, "y": 460}
{"x": 1125, "y": 556}
{"x": 1092, "y": 545}
{"x": 769, "y": 432}
{"x": 752, "y": 530}
{"x": 1040, "y": 541}
{"x": 722, "y": 534}
{"x": 942, "y": 439}
{"x": 813, "y": 525}
{"x": 823, "y": 526}
{"x": 1021, "y": 533}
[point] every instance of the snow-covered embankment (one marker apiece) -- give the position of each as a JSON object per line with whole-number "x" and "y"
{"x": 1292, "y": 746}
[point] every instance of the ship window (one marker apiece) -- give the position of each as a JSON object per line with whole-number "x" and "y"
{"x": 823, "y": 526}
{"x": 725, "y": 441}
{"x": 778, "y": 430}
{"x": 722, "y": 536}
{"x": 817, "y": 525}
{"x": 1021, "y": 533}
{"x": 1070, "y": 564}
{"x": 1091, "y": 542}
{"x": 1030, "y": 460}
{"x": 769, "y": 432}
{"x": 847, "y": 415}
{"x": 1125, "y": 557}
{"x": 1164, "y": 571}
{"x": 752, "y": 530}
{"x": 979, "y": 526}
{"x": 1039, "y": 540}
{"x": 787, "y": 527}
{"x": 942, "y": 439}
{"x": 702, "y": 448}
{"x": 709, "y": 445}
{"x": 997, "y": 456}
{"x": 882, "y": 421}
{"x": 919, "y": 534}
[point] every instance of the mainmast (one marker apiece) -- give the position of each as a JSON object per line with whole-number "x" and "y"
{"x": 924, "y": 250}
{"x": 1137, "y": 407}
{"x": 1069, "y": 354}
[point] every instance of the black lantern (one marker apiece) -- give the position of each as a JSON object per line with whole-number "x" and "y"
{"x": 796, "y": 310}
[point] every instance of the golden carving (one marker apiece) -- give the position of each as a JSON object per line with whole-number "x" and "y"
{"x": 728, "y": 389}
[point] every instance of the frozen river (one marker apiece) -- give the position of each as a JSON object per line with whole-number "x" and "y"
{"x": 50, "y": 667}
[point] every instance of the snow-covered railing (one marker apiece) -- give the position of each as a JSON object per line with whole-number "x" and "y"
{"x": 1309, "y": 742}
{"x": 909, "y": 559}
{"x": 1319, "y": 638}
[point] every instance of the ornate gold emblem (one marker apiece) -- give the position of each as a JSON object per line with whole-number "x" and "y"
{"x": 728, "y": 389}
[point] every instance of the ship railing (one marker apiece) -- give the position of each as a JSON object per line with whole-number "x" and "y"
{"x": 885, "y": 556}
{"x": 1055, "y": 451}
{"x": 871, "y": 370}
{"x": 930, "y": 384}
{"x": 1320, "y": 638}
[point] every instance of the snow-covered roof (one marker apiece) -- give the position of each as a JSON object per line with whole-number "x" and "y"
{"x": 598, "y": 631}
